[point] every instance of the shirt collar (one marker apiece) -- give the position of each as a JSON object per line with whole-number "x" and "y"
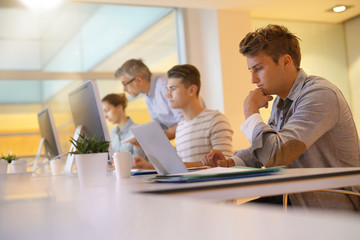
{"x": 298, "y": 84}
{"x": 127, "y": 125}
{"x": 295, "y": 90}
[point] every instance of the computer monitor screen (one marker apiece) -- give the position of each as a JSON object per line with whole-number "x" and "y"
{"x": 49, "y": 133}
{"x": 87, "y": 111}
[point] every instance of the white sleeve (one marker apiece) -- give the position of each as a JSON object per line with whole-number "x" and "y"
{"x": 248, "y": 126}
{"x": 238, "y": 161}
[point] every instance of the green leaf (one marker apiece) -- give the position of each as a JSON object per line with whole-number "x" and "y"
{"x": 9, "y": 157}
{"x": 85, "y": 144}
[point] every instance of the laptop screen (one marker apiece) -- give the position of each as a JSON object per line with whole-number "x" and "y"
{"x": 158, "y": 148}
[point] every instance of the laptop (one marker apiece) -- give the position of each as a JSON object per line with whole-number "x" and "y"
{"x": 158, "y": 148}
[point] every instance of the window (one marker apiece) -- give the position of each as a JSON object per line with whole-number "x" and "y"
{"x": 47, "y": 54}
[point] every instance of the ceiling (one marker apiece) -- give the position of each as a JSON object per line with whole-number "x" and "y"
{"x": 297, "y": 10}
{"x": 72, "y": 39}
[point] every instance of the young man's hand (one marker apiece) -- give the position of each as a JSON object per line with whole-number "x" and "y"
{"x": 132, "y": 141}
{"x": 254, "y": 101}
{"x": 141, "y": 163}
{"x": 217, "y": 159}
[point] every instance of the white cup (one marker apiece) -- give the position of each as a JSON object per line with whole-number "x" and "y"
{"x": 122, "y": 162}
{"x": 18, "y": 166}
{"x": 56, "y": 166}
{"x": 3, "y": 166}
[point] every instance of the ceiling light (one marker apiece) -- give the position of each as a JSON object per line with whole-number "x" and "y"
{"x": 41, "y": 4}
{"x": 339, "y": 8}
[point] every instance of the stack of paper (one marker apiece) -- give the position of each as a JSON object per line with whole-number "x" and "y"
{"x": 137, "y": 171}
{"x": 218, "y": 173}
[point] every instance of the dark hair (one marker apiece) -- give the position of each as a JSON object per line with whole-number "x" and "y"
{"x": 275, "y": 41}
{"x": 132, "y": 68}
{"x": 116, "y": 99}
{"x": 188, "y": 74}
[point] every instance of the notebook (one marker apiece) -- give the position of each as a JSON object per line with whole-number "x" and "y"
{"x": 158, "y": 148}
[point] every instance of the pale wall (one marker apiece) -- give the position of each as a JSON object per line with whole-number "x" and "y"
{"x": 203, "y": 51}
{"x": 352, "y": 36}
{"x": 212, "y": 40}
{"x": 233, "y": 26}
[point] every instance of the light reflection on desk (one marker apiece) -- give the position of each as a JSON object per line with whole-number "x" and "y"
{"x": 56, "y": 207}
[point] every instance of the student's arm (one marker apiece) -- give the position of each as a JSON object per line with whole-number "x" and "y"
{"x": 193, "y": 164}
{"x": 170, "y": 132}
{"x": 221, "y": 134}
{"x": 217, "y": 159}
{"x": 141, "y": 163}
{"x": 132, "y": 141}
{"x": 317, "y": 111}
{"x": 137, "y": 151}
{"x": 254, "y": 101}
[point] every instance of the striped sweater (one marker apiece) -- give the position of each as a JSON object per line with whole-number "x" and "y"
{"x": 209, "y": 130}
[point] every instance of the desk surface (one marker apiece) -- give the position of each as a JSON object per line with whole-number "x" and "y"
{"x": 58, "y": 208}
{"x": 286, "y": 181}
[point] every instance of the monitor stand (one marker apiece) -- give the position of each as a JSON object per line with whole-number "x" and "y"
{"x": 37, "y": 157}
{"x": 70, "y": 159}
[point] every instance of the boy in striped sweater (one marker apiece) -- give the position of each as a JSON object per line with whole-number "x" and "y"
{"x": 201, "y": 129}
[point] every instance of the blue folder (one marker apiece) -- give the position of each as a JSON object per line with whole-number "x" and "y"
{"x": 199, "y": 177}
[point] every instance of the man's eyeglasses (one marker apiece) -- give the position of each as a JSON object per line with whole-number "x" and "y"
{"x": 127, "y": 83}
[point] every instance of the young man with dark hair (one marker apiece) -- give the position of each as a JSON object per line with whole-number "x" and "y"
{"x": 311, "y": 125}
{"x": 202, "y": 129}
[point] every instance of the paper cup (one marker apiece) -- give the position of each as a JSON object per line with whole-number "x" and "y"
{"x": 18, "y": 166}
{"x": 122, "y": 162}
{"x": 56, "y": 166}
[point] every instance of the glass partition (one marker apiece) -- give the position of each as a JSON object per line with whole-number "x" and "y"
{"x": 85, "y": 41}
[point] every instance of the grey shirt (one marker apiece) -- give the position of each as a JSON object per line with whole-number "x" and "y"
{"x": 312, "y": 128}
{"x": 117, "y": 135}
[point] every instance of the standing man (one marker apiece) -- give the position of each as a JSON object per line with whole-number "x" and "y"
{"x": 137, "y": 78}
{"x": 201, "y": 129}
{"x": 311, "y": 125}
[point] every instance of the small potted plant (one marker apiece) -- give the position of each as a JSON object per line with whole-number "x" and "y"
{"x": 91, "y": 156}
{"x": 17, "y": 166}
{"x": 4, "y": 162}
{"x": 87, "y": 145}
{"x": 9, "y": 157}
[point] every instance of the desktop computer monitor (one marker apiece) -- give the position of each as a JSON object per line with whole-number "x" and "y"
{"x": 49, "y": 136}
{"x": 88, "y": 116}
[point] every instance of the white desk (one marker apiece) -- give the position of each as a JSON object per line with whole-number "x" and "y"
{"x": 58, "y": 208}
{"x": 287, "y": 181}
